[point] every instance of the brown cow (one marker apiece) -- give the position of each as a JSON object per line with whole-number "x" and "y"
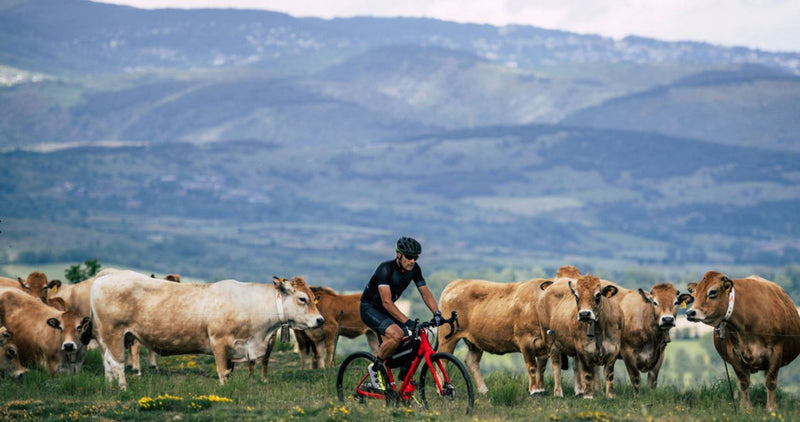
{"x": 9, "y": 356}
{"x": 498, "y": 318}
{"x": 40, "y": 331}
{"x": 36, "y": 285}
{"x": 229, "y": 319}
{"x": 757, "y": 327}
{"x": 586, "y": 324}
{"x": 648, "y": 318}
{"x": 342, "y": 318}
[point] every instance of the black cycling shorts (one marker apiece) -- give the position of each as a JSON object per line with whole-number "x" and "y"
{"x": 376, "y": 318}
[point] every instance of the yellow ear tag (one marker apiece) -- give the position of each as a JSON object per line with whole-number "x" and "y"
{"x": 316, "y": 301}
{"x": 54, "y": 289}
{"x": 608, "y": 293}
{"x": 683, "y": 305}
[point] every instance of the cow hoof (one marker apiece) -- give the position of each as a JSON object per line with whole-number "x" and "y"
{"x": 537, "y": 393}
{"x": 137, "y": 373}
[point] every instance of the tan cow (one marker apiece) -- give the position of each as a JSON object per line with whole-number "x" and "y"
{"x": 229, "y": 319}
{"x": 36, "y": 284}
{"x": 9, "y": 356}
{"x": 648, "y": 318}
{"x": 41, "y": 332}
{"x": 586, "y": 324}
{"x": 498, "y": 318}
{"x": 757, "y": 327}
{"x": 133, "y": 356}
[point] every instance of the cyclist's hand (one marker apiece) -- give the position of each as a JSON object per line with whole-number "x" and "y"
{"x": 410, "y": 325}
{"x": 437, "y": 318}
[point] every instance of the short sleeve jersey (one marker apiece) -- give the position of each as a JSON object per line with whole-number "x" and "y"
{"x": 392, "y": 275}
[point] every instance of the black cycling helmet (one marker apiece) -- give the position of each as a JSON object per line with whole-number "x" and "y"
{"x": 408, "y": 246}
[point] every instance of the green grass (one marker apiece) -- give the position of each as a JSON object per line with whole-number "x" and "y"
{"x": 294, "y": 394}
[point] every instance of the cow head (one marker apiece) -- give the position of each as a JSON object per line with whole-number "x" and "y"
{"x": 9, "y": 356}
{"x": 298, "y": 303}
{"x": 710, "y": 298}
{"x": 73, "y": 332}
{"x": 589, "y": 294}
{"x": 38, "y": 286}
{"x": 664, "y": 298}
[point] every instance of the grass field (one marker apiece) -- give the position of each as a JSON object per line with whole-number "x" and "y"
{"x": 186, "y": 388}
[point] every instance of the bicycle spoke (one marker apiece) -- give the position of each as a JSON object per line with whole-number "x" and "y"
{"x": 448, "y": 388}
{"x": 353, "y": 384}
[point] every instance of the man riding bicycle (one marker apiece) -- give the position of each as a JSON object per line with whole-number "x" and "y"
{"x": 390, "y": 280}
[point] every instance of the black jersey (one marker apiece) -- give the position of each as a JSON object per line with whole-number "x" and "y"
{"x": 392, "y": 275}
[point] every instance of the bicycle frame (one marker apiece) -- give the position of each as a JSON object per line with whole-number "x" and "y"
{"x": 406, "y": 391}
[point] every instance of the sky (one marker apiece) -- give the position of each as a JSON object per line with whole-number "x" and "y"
{"x": 772, "y": 25}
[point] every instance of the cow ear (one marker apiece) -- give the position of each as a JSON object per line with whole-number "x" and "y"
{"x": 569, "y": 282}
{"x": 54, "y": 285}
{"x": 726, "y": 282}
{"x": 58, "y": 303}
{"x": 5, "y": 335}
{"x": 691, "y": 287}
{"x": 644, "y": 296}
{"x": 546, "y": 284}
{"x": 86, "y": 330}
{"x": 609, "y": 291}
{"x": 54, "y": 322}
{"x": 684, "y": 300}
{"x": 282, "y": 285}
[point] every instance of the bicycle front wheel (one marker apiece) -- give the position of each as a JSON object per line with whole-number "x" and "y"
{"x": 446, "y": 387}
{"x": 353, "y": 383}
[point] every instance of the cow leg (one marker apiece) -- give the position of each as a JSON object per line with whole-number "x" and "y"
{"x": 633, "y": 371}
{"x": 743, "y": 378}
{"x": 152, "y": 360}
{"x": 555, "y": 366}
{"x": 136, "y": 366}
{"x": 608, "y": 372}
{"x": 771, "y": 379}
{"x": 578, "y": 377}
{"x": 652, "y": 374}
{"x": 267, "y": 353}
{"x": 588, "y": 370}
{"x": 473, "y": 362}
{"x": 534, "y": 385}
{"x": 319, "y": 361}
{"x": 220, "y": 349}
{"x": 114, "y": 358}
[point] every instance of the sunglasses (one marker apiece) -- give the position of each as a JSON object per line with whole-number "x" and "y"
{"x": 411, "y": 257}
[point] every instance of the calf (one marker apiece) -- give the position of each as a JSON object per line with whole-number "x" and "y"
{"x": 42, "y": 332}
{"x": 587, "y": 324}
{"x": 229, "y": 319}
{"x": 757, "y": 327}
{"x": 648, "y": 317}
{"x": 9, "y": 356}
{"x": 498, "y": 318}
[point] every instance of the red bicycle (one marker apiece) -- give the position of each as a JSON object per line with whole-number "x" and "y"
{"x": 443, "y": 384}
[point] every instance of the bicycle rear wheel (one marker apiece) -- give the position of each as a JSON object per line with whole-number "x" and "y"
{"x": 450, "y": 390}
{"x": 353, "y": 383}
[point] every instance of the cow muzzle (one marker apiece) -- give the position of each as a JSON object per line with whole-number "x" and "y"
{"x": 585, "y": 316}
{"x": 320, "y": 321}
{"x": 693, "y": 315}
{"x": 666, "y": 322}
{"x": 69, "y": 346}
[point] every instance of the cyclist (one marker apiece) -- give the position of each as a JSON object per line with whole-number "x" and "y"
{"x": 390, "y": 280}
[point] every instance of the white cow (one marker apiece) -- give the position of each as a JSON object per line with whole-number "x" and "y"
{"x": 229, "y": 319}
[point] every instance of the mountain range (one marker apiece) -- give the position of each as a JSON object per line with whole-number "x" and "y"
{"x": 232, "y": 143}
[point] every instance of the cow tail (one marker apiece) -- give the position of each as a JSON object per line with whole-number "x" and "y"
{"x": 564, "y": 362}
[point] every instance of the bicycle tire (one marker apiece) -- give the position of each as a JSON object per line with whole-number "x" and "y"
{"x": 459, "y": 392}
{"x": 353, "y": 372}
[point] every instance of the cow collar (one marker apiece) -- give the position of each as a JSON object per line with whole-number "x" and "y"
{"x": 731, "y": 300}
{"x": 284, "y": 323}
{"x": 721, "y": 327}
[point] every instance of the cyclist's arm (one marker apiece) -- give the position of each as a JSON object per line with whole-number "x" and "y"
{"x": 388, "y": 304}
{"x": 428, "y": 298}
